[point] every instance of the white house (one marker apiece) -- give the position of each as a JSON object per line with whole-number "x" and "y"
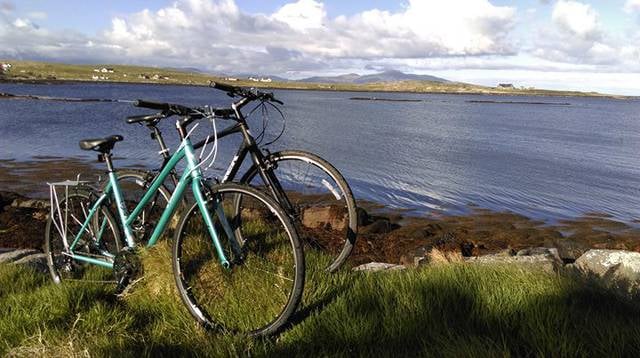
{"x": 267, "y": 79}
{"x": 231, "y": 79}
{"x": 5, "y": 67}
{"x": 106, "y": 70}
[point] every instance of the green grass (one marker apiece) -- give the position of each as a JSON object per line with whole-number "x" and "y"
{"x": 449, "y": 310}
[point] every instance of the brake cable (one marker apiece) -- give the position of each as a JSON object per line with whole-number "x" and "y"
{"x": 265, "y": 122}
{"x": 284, "y": 123}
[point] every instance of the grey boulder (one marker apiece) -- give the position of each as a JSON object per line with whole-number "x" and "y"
{"x": 619, "y": 265}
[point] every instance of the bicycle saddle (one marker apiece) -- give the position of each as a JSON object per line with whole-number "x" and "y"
{"x": 102, "y": 145}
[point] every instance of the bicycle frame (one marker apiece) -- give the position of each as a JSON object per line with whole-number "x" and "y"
{"x": 192, "y": 175}
{"x": 248, "y": 146}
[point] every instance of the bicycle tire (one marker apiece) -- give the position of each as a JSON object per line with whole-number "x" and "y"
{"x": 213, "y": 295}
{"x": 351, "y": 229}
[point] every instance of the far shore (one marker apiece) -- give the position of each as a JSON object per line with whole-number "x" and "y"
{"x": 54, "y": 73}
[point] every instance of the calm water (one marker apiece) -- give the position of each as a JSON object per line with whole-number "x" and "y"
{"x": 443, "y": 153}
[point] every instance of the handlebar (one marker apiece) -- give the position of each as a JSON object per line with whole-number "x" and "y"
{"x": 248, "y": 93}
{"x": 169, "y": 109}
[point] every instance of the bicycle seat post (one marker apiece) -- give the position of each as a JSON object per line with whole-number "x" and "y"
{"x": 157, "y": 135}
{"x": 106, "y": 157}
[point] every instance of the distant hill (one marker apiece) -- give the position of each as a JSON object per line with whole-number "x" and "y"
{"x": 348, "y": 78}
{"x": 386, "y": 76}
{"x": 185, "y": 69}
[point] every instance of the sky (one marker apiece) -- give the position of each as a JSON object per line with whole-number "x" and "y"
{"x": 555, "y": 44}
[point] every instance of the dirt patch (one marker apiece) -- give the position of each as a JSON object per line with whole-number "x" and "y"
{"x": 20, "y": 227}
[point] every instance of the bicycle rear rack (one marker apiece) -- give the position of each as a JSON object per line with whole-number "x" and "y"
{"x": 61, "y": 221}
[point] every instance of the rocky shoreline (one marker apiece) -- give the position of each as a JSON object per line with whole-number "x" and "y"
{"x": 402, "y": 240}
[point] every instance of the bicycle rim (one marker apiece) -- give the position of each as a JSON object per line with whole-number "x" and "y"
{"x": 263, "y": 286}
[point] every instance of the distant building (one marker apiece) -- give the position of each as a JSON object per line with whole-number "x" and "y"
{"x": 506, "y": 85}
{"x": 106, "y": 70}
{"x": 231, "y": 79}
{"x": 5, "y": 67}
{"x": 261, "y": 79}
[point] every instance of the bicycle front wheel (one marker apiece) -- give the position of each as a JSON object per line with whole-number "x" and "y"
{"x": 260, "y": 290}
{"x": 322, "y": 204}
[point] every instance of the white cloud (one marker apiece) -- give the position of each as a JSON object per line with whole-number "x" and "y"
{"x": 577, "y": 36}
{"x": 632, "y": 6}
{"x": 217, "y": 35}
{"x": 22, "y": 23}
{"x": 576, "y": 18}
{"x": 302, "y": 15}
{"x": 299, "y": 36}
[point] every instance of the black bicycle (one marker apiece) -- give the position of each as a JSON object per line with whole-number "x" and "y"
{"x": 311, "y": 191}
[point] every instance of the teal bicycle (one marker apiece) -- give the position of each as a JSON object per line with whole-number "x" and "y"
{"x": 223, "y": 256}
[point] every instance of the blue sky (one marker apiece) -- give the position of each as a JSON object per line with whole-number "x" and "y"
{"x": 560, "y": 44}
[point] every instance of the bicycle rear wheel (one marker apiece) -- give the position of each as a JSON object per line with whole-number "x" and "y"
{"x": 261, "y": 289}
{"x": 323, "y": 206}
{"x": 100, "y": 238}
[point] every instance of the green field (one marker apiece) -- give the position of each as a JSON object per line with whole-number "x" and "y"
{"x": 51, "y": 72}
{"x": 452, "y": 310}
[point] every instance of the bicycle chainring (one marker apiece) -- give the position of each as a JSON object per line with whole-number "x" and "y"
{"x": 126, "y": 267}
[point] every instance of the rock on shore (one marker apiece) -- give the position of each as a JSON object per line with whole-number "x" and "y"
{"x": 616, "y": 265}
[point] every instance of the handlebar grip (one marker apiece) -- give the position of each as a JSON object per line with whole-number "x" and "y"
{"x": 224, "y": 112}
{"x": 152, "y": 105}
{"x": 224, "y": 87}
{"x": 145, "y": 118}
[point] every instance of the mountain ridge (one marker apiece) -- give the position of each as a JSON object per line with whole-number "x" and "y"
{"x": 385, "y": 76}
